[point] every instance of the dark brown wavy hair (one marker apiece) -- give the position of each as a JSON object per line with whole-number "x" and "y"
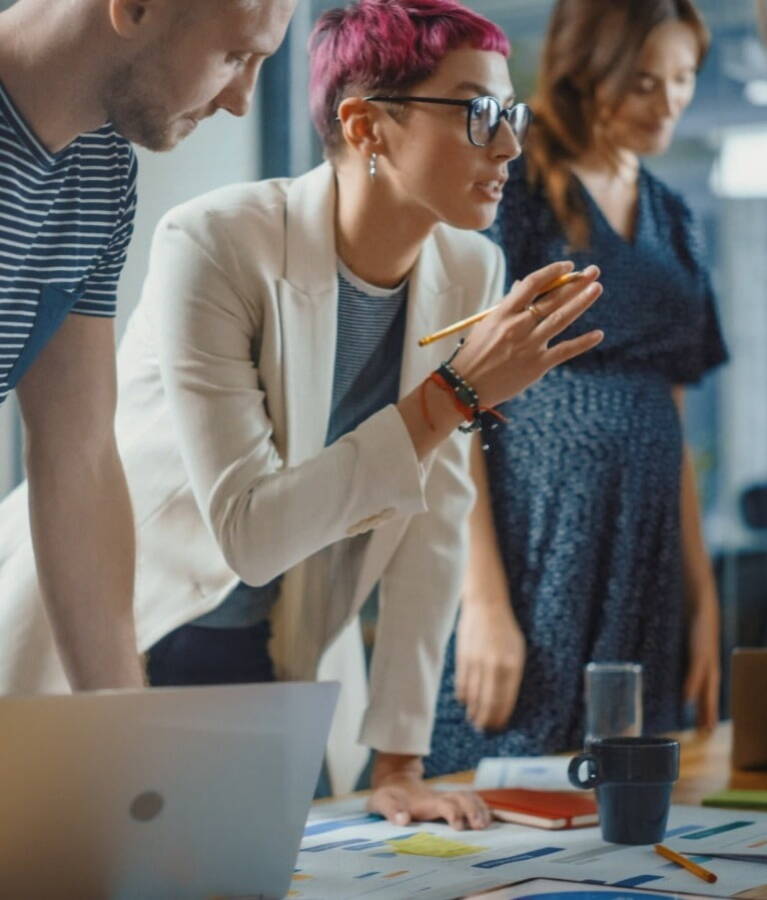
{"x": 589, "y": 44}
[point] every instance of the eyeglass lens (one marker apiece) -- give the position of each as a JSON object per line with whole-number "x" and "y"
{"x": 485, "y": 118}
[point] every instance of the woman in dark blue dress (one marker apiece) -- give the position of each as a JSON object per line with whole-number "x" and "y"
{"x": 599, "y": 552}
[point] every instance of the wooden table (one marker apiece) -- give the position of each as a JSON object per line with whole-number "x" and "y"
{"x": 704, "y": 766}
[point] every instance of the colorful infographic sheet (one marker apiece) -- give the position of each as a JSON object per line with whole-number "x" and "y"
{"x": 348, "y": 854}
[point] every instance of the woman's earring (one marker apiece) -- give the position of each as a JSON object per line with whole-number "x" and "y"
{"x": 373, "y": 165}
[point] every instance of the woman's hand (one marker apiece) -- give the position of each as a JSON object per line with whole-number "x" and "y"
{"x": 400, "y": 794}
{"x": 490, "y": 660}
{"x": 509, "y": 349}
{"x": 703, "y": 673}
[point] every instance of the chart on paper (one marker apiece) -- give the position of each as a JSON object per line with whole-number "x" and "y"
{"x": 348, "y": 854}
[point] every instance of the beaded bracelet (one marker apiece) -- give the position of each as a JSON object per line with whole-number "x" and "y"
{"x": 465, "y": 398}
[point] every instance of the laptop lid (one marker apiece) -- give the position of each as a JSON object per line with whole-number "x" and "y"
{"x": 194, "y": 792}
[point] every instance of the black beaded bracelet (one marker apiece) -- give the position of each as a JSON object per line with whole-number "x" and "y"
{"x": 465, "y": 394}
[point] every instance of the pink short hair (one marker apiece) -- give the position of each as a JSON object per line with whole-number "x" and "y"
{"x": 391, "y": 45}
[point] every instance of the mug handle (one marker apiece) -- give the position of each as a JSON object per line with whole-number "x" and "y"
{"x": 574, "y": 771}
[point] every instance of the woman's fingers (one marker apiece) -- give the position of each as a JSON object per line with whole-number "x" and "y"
{"x": 462, "y": 808}
{"x": 566, "y": 350}
{"x": 461, "y": 672}
{"x": 473, "y": 691}
{"x": 556, "y": 299}
{"x": 566, "y": 313}
{"x": 536, "y": 288}
{"x": 501, "y": 704}
{"x": 493, "y": 702}
{"x": 525, "y": 291}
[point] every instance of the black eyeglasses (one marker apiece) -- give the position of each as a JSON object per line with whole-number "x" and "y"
{"x": 483, "y": 116}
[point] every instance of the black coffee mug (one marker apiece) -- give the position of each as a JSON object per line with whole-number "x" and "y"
{"x": 633, "y": 777}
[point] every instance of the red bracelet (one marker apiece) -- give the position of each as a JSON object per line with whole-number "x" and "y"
{"x": 469, "y": 414}
{"x": 463, "y": 408}
{"x": 466, "y": 411}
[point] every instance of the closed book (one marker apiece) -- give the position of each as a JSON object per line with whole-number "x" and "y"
{"x": 542, "y": 809}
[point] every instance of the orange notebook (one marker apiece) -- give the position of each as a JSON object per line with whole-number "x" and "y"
{"x": 542, "y": 809}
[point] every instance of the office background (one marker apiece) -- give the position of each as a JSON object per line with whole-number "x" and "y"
{"x": 719, "y": 162}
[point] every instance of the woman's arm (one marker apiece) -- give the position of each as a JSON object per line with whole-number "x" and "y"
{"x": 409, "y": 642}
{"x": 490, "y": 646}
{"x": 266, "y": 516}
{"x": 702, "y": 602}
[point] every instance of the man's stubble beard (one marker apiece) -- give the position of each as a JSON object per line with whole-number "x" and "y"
{"x": 135, "y": 109}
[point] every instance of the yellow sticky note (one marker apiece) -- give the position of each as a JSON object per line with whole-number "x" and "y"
{"x": 425, "y": 844}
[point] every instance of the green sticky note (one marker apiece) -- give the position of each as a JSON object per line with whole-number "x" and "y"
{"x": 425, "y": 844}
{"x": 737, "y": 799}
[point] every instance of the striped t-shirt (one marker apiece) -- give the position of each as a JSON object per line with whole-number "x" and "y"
{"x": 65, "y": 223}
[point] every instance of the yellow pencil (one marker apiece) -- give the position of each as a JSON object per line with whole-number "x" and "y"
{"x": 686, "y": 863}
{"x": 477, "y": 317}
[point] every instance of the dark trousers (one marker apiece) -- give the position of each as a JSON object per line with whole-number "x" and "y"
{"x": 193, "y": 654}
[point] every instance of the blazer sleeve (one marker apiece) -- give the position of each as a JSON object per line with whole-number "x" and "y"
{"x": 266, "y": 517}
{"x": 420, "y": 592}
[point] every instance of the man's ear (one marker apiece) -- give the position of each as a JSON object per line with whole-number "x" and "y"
{"x": 128, "y": 16}
{"x": 361, "y": 125}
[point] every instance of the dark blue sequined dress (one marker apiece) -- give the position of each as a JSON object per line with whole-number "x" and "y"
{"x": 585, "y": 479}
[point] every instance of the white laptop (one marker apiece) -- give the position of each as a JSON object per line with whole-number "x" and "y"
{"x": 166, "y": 794}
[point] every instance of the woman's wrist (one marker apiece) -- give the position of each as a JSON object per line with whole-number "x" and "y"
{"x": 700, "y": 587}
{"x": 703, "y": 596}
{"x": 444, "y": 418}
{"x": 395, "y": 765}
{"x": 485, "y": 595}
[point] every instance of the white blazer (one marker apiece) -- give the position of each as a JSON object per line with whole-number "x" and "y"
{"x": 226, "y": 376}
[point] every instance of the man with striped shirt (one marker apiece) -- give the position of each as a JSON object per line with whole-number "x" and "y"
{"x": 78, "y": 82}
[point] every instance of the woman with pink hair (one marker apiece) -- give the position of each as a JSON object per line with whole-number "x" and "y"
{"x": 290, "y": 448}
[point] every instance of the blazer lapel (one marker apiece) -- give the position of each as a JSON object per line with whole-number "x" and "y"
{"x": 433, "y": 302}
{"x": 308, "y": 299}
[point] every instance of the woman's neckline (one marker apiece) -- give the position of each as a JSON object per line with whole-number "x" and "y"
{"x": 629, "y": 240}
